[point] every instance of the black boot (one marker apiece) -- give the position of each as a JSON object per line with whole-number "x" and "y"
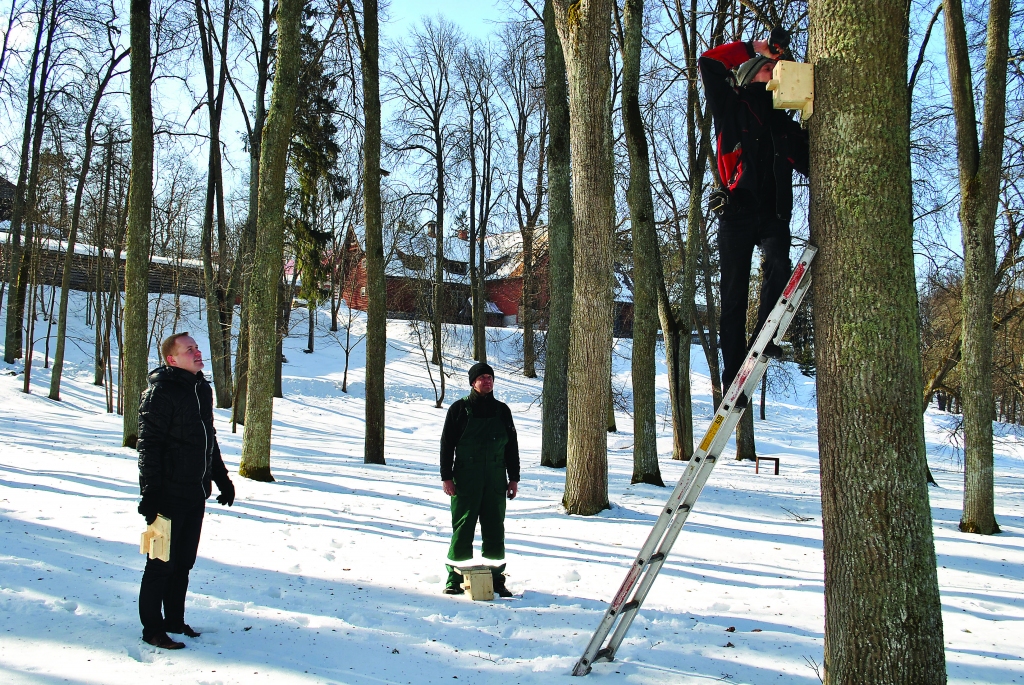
{"x": 182, "y": 628}
{"x": 454, "y": 584}
{"x": 162, "y": 641}
{"x": 498, "y": 580}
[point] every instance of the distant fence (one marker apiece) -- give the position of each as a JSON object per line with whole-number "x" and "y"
{"x": 185, "y": 279}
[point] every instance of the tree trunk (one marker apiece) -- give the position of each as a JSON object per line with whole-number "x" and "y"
{"x": 585, "y": 30}
{"x": 527, "y": 305}
{"x": 376, "y": 291}
{"x": 140, "y": 210}
{"x": 646, "y": 255}
{"x": 437, "y": 293}
{"x": 883, "y": 621}
{"x": 15, "y": 294}
{"x": 673, "y": 334}
{"x": 263, "y": 289}
{"x": 560, "y": 257}
{"x": 745, "y": 436}
{"x": 979, "y": 195}
{"x": 219, "y": 311}
{"x": 247, "y": 241}
{"x": 76, "y": 214}
{"x": 710, "y": 344}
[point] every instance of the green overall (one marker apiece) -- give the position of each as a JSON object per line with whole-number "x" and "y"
{"x": 480, "y": 487}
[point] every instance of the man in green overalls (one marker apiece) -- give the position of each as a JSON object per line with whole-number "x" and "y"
{"x": 479, "y": 448}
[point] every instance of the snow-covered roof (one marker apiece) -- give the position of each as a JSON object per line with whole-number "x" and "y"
{"x": 91, "y": 250}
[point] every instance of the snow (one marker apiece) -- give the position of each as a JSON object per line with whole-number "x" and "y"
{"x": 333, "y": 573}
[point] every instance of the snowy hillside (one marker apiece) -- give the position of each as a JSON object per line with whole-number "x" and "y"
{"x": 333, "y": 573}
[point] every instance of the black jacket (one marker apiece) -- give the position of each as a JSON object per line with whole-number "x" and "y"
{"x": 483, "y": 407}
{"x": 744, "y": 122}
{"x": 178, "y": 451}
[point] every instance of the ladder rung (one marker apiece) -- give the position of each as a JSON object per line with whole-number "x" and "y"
{"x": 657, "y": 557}
{"x": 632, "y": 605}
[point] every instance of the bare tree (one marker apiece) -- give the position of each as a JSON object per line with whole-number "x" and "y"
{"x": 219, "y": 280}
{"x": 521, "y": 76}
{"x": 135, "y": 351}
{"x": 103, "y": 78}
{"x": 476, "y": 77}
{"x": 421, "y": 86}
{"x": 554, "y": 440}
{"x": 585, "y": 31}
{"x": 263, "y": 290}
{"x": 46, "y": 16}
{"x": 980, "y": 171}
{"x": 646, "y": 258}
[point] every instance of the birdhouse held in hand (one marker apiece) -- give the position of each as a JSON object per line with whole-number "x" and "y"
{"x": 156, "y": 540}
{"x": 792, "y": 87}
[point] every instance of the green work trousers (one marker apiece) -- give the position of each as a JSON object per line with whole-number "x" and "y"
{"x": 480, "y": 487}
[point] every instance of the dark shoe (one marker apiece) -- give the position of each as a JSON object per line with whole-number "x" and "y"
{"x": 773, "y": 351}
{"x": 162, "y": 641}
{"x": 498, "y": 581}
{"x": 454, "y": 584}
{"x": 184, "y": 628}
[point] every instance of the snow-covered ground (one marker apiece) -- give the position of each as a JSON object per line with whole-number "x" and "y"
{"x": 333, "y": 573}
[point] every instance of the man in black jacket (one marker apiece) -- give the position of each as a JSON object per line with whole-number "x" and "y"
{"x": 758, "y": 149}
{"x": 479, "y": 448}
{"x": 178, "y": 459}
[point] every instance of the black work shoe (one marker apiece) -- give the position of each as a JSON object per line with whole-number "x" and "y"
{"x": 773, "y": 351}
{"x": 498, "y": 581}
{"x": 183, "y": 628}
{"x": 162, "y": 641}
{"x": 499, "y": 587}
{"x": 454, "y": 584}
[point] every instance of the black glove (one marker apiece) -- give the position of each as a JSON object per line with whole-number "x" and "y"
{"x": 778, "y": 41}
{"x": 227, "y": 491}
{"x": 718, "y": 200}
{"x": 149, "y": 507}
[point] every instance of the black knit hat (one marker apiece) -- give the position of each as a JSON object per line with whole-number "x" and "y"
{"x": 479, "y": 369}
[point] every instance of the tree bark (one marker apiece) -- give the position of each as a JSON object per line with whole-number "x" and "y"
{"x": 15, "y": 294}
{"x": 263, "y": 288}
{"x": 585, "y": 31}
{"x": 376, "y": 308}
{"x": 646, "y": 254}
{"x": 979, "y": 195}
{"x": 554, "y": 437}
{"x": 76, "y": 215}
{"x": 216, "y": 279}
{"x": 140, "y": 210}
{"x": 745, "y": 448}
{"x": 883, "y": 621}
{"x": 247, "y": 240}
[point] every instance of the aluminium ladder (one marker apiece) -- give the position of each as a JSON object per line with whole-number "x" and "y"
{"x": 648, "y": 564}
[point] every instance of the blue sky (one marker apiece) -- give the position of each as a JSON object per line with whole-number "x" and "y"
{"x": 475, "y": 17}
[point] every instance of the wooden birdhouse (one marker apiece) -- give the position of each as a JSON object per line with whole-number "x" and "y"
{"x": 479, "y": 582}
{"x": 156, "y": 540}
{"x": 792, "y": 87}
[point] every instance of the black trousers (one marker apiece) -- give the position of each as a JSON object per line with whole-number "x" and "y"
{"x": 737, "y": 236}
{"x": 164, "y": 583}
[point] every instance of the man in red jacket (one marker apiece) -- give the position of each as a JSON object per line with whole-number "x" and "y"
{"x": 758, "y": 149}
